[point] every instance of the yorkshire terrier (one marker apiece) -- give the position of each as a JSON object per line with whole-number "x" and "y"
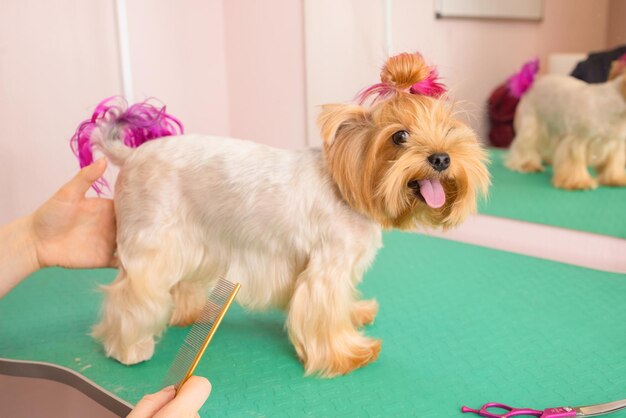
{"x": 297, "y": 229}
{"x": 570, "y": 124}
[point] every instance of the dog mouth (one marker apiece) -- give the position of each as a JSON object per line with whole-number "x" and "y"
{"x": 430, "y": 191}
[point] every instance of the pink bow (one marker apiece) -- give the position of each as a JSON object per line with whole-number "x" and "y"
{"x": 430, "y": 86}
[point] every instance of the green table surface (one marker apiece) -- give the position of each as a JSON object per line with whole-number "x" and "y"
{"x": 460, "y": 325}
{"x": 531, "y": 197}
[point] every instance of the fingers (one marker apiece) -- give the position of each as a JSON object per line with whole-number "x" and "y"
{"x": 82, "y": 181}
{"x": 151, "y": 404}
{"x": 189, "y": 400}
{"x": 163, "y": 404}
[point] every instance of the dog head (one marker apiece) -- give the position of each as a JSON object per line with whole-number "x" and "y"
{"x": 404, "y": 159}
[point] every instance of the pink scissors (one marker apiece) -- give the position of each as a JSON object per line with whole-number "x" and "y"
{"x": 558, "y": 412}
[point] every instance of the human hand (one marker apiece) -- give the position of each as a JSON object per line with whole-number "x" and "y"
{"x": 73, "y": 231}
{"x": 164, "y": 404}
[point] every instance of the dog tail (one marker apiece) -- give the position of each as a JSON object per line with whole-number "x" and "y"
{"x": 115, "y": 128}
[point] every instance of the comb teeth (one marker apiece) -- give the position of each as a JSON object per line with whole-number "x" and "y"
{"x": 201, "y": 333}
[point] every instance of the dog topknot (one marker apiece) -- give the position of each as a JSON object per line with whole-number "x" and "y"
{"x": 403, "y": 74}
{"x": 404, "y": 70}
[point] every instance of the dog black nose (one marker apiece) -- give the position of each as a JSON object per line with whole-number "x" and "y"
{"x": 439, "y": 161}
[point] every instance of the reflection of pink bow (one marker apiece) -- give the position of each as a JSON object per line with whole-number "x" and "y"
{"x": 430, "y": 86}
{"x": 521, "y": 81}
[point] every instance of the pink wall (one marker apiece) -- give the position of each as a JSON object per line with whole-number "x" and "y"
{"x": 345, "y": 47}
{"x": 231, "y": 67}
{"x": 616, "y": 35}
{"x": 265, "y": 65}
{"x": 178, "y": 55}
{"x": 57, "y": 61}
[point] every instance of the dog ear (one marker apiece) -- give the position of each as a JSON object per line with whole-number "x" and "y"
{"x": 338, "y": 118}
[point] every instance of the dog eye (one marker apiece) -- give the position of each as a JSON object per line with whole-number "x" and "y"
{"x": 400, "y": 137}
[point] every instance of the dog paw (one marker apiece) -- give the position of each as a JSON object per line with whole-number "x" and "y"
{"x": 340, "y": 359}
{"x": 573, "y": 183}
{"x": 529, "y": 166}
{"x": 613, "y": 181}
{"x": 364, "y": 312}
{"x": 133, "y": 354}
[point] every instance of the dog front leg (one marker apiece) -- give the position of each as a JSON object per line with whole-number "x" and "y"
{"x": 570, "y": 165}
{"x": 321, "y": 324}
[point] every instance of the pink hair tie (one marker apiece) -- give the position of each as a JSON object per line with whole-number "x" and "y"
{"x": 430, "y": 86}
{"x": 378, "y": 91}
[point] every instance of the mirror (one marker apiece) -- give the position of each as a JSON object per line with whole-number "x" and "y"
{"x": 347, "y": 43}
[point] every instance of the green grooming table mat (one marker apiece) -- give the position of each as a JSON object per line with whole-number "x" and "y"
{"x": 531, "y": 197}
{"x": 460, "y": 325}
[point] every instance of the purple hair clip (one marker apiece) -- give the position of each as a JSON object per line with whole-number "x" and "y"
{"x": 521, "y": 81}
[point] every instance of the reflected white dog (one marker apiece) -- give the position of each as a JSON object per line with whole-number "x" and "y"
{"x": 572, "y": 125}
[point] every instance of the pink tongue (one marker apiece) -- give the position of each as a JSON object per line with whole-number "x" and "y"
{"x": 432, "y": 192}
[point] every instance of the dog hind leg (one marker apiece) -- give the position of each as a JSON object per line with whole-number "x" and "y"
{"x": 139, "y": 303}
{"x": 134, "y": 311}
{"x": 613, "y": 171}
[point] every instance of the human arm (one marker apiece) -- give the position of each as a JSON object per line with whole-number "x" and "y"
{"x": 68, "y": 230}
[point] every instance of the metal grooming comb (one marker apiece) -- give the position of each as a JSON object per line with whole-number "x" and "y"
{"x": 201, "y": 333}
